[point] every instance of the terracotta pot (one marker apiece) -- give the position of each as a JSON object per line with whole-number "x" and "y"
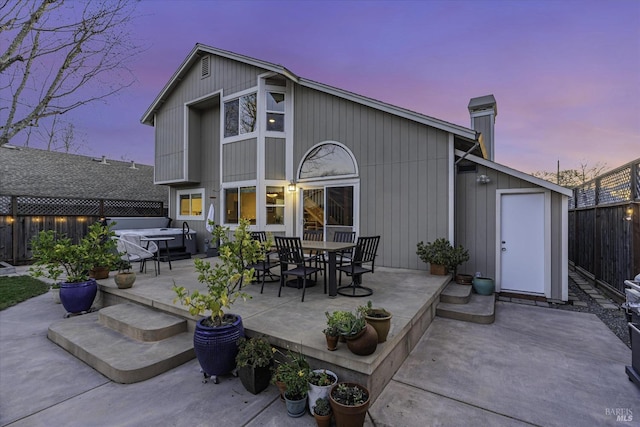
{"x": 332, "y": 342}
{"x": 322, "y": 420}
{"x": 380, "y": 319}
{"x": 464, "y": 279}
{"x": 349, "y": 416}
{"x": 99, "y": 273}
{"x": 364, "y": 343}
{"x": 124, "y": 280}
{"x": 281, "y": 388}
{"x": 438, "y": 270}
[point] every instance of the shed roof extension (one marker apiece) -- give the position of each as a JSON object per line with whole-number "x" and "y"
{"x": 465, "y": 137}
{"x": 32, "y": 172}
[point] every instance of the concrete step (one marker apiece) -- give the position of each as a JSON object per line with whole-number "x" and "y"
{"x": 141, "y": 323}
{"x": 456, "y": 294}
{"x": 480, "y": 309}
{"x": 117, "y": 356}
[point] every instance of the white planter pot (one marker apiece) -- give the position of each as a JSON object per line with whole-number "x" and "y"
{"x": 316, "y": 391}
{"x": 55, "y": 293}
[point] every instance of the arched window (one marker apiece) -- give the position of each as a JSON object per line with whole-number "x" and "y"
{"x": 327, "y": 160}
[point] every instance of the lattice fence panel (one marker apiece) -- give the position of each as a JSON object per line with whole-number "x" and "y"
{"x": 5, "y": 205}
{"x": 615, "y": 187}
{"x": 57, "y": 206}
{"x": 132, "y": 208}
{"x": 638, "y": 181}
{"x": 586, "y": 195}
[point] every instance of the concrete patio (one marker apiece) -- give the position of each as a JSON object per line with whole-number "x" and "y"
{"x": 533, "y": 366}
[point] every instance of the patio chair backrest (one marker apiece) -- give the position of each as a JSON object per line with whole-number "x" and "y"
{"x": 133, "y": 246}
{"x": 344, "y": 236}
{"x": 315, "y": 235}
{"x": 260, "y": 236}
{"x": 366, "y": 250}
{"x": 289, "y": 250}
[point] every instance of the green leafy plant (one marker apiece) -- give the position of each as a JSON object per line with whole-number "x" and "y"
{"x": 56, "y": 255}
{"x": 322, "y": 407}
{"x": 293, "y": 370}
{"x": 348, "y": 324}
{"x": 255, "y": 352}
{"x": 333, "y": 320}
{"x": 321, "y": 378}
{"x": 349, "y": 394}
{"x": 225, "y": 279}
{"x": 123, "y": 266}
{"x": 101, "y": 246}
{"x": 441, "y": 252}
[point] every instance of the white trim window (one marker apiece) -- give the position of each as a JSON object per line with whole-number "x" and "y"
{"x": 275, "y": 111}
{"x": 275, "y": 204}
{"x": 190, "y": 204}
{"x": 240, "y": 115}
{"x": 240, "y": 202}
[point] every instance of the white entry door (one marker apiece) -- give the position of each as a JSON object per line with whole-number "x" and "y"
{"x": 523, "y": 258}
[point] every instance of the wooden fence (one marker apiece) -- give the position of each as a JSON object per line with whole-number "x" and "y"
{"x": 22, "y": 217}
{"x": 604, "y": 227}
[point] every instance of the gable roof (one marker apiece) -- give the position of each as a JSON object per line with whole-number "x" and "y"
{"x": 465, "y": 136}
{"x": 32, "y": 172}
{"x": 516, "y": 173}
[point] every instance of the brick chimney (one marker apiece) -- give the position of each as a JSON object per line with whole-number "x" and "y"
{"x": 483, "y": 111}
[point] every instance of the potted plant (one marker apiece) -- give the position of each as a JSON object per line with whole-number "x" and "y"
{"x": 442, "y": 256}
{"x": 293, "y": 372}
{"x": 254, "y": 360}
{"x": 331, "y": 332}
{"x": 320, "y": 383}
{"x": 124, "y": 278}
{"x": 349, "y": 403}
{"x": 55, "y": 256}
{"x": 102, "y": 249}
{"x": 380, "y": 319}
{"x": 216, "y": 335}
{"x": 362, "y": 338}
{"x": 322, "y": 412}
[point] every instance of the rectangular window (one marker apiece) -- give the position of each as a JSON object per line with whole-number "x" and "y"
{"x": 190, "y": 204}
{"x": 275, "y": 111}
{"x": 240, "y": 203}
{"x": 275, "y": 205}
{"x": 240, "y": 115}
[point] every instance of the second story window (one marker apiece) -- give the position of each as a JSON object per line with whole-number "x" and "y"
{"x": 240, "y": 115}
{"x": 275, "y": 111}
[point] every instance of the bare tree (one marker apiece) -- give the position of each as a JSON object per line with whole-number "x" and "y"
{"x": 572, "y": 178}
{"x": 60, "y": 56}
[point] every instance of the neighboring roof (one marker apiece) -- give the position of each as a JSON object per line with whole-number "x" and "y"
{"x": 197, "y": 51}
{"x": 516, "y": 173}
{"x": 32, "y": 172}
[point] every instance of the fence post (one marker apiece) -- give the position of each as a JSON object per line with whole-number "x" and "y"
{"x": 14, "y": 230}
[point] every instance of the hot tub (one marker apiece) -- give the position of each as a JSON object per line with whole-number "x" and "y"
{"x": 148, "y": 226}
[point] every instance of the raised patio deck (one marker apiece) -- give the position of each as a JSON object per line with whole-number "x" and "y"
{"x": 410, "y": 295}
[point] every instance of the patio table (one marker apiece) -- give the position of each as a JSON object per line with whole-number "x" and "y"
{"x": 331, "y": 248}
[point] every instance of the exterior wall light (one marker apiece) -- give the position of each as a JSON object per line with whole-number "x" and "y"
{"x": 292, "y": 186}
{"x": 483, "y": 179}
{"x": 628, "y": 213}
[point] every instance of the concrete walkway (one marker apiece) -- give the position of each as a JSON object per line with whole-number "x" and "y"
{"x": 533, "y": 366}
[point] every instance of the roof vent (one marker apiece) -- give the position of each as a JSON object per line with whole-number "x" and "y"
{"x": 102, "y": 160}
{"x": 133, "y": 165}
{"x": 204, "y": 66}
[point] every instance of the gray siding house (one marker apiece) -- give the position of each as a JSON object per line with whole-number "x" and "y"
{"x": 256, "y": 141}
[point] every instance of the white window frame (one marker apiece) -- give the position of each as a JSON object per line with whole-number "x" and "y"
{"x": 190, "y": 191}
{"x": 223, "y": 196}
{"x": 240, "y": 136}
{"x": 286, "y": 205}
{"x": 283, "y": 91}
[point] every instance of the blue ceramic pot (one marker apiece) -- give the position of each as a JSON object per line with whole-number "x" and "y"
{"x": 217, "y": 347}
{"x": 483, "y": 285}
{"x": 78, "y": 297}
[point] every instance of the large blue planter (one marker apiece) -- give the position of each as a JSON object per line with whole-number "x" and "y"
{"x": 217, "y": 347}
{"x": 78, "y": 297}
{"x": 483, "y": 285}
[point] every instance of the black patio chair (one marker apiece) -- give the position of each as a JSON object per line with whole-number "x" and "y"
{"x": 363, "y": 261}
{"x": 264, "y": 266}
{"x": 316, "y": 236}
{"x": 344, "y": 237}
{"x": 290, "y": 253}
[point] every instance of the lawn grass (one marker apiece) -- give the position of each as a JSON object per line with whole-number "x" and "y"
{"x": 15, "y": 289}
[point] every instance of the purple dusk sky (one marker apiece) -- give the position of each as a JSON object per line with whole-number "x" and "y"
{"x": 565, "y": 74}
